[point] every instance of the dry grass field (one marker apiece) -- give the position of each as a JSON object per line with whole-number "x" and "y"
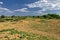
{"x": 30, "y": 29}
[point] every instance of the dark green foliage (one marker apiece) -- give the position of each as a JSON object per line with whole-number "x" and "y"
{"x": 13, "y": 16}
{"x": 17, "y": 18}
{"x": 2, "y": 16}
{"x": 51, "y": 16}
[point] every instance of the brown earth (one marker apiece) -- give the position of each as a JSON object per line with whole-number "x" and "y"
{"x": 26, "y": 26}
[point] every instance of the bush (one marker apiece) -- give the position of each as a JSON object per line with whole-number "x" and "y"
{"x": 13, "y": 16}
{"x": 2, "y": 16}
{"x": 51, "y": 16}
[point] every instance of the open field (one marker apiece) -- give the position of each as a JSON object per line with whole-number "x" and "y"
{"x": 29, "y": 19}
{"x": 46, "y": 27}
{"x": 30, "y": 29}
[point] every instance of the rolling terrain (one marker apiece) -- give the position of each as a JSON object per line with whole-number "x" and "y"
{"x": 30, "y": 29}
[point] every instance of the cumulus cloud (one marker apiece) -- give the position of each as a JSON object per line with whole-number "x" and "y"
{"x": 5, "y": 10}
{"x": 46, "y": 4}
{"x": 1, "y": 2}
{"x": 22, "y": 10}
{"x": 43, "y": 4}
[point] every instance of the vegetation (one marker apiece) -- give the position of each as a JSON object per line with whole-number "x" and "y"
{"x": 45, "y": 27}
{"x": 51, "y": 16}
{"x": 16, "y": 18}
{"x": 20, "y": 35}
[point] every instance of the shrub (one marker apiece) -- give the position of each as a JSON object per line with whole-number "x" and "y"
{"x": 2, "y": 16}
{"x": 51, "y": 16}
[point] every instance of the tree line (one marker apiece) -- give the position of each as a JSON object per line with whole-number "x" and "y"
{"x": 49, "y": 16}
{"x": 16, "y": 18}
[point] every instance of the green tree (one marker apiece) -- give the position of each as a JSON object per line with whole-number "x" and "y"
{"x": 2, "y": 16}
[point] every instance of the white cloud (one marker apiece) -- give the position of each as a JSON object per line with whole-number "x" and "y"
{"x": 1, "y": 2}
{"x": 46, "y": 4}
{"x": 22, "y": 10}
{"x": 5, "y": 10}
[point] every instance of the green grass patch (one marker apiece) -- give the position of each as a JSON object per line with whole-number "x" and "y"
{"x": 28, "y": 36}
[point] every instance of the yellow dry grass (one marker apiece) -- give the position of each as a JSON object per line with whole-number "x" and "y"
{"x": 24, "y": 25}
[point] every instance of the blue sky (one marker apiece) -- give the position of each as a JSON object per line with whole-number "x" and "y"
{"x": 29, "y": 7}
